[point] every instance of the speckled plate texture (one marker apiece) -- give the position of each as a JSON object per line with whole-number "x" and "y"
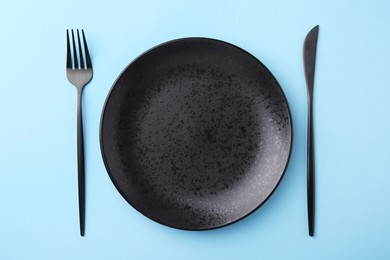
{"x": 196, "y": 133}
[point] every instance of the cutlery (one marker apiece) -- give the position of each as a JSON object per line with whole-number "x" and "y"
{"x": 309, "y": 60}
{"x": 79, "y": 74}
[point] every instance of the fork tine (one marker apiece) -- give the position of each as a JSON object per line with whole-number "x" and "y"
{"x": 68, "y": 55}
{"x": 80, "y": 51}
{"x": 75, "y": 61}
{"x": 87, "y": 57}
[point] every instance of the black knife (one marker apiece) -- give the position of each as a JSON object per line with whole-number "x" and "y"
{"x": 309, "y": 61}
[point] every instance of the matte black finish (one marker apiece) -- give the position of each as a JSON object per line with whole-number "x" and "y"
{"x": 79, "y": 74}
{"x": 196, "y": 133}
{"x": 309, "y": 61}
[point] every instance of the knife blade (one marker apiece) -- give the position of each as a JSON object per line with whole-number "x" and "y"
{"x": 309, "y": 60}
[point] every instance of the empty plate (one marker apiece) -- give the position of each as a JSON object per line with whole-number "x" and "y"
{"x": 196, "y": 133}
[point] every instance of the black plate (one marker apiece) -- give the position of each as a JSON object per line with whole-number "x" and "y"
{"x": 196, "y": 133}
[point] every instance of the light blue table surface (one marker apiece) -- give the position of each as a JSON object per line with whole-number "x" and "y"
{"x": 38, "y": 170}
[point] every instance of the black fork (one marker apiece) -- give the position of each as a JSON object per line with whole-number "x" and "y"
{"x": 79, "y": 73}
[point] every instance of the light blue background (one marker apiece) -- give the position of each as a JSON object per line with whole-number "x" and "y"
{"x": 38, "y": 175}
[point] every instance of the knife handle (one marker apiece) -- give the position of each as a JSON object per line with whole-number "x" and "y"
{"x": 80, "y": 162}
{"x": 310, "y": 169}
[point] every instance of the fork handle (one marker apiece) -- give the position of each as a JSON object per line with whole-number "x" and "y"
{"x": 80, "y": 162}
{"x": 310, "y": 169}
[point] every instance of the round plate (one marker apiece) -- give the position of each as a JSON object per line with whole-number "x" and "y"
{"x": 196, "y": 133}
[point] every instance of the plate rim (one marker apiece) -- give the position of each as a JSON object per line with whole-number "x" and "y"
{"x": 115, "y": 84}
